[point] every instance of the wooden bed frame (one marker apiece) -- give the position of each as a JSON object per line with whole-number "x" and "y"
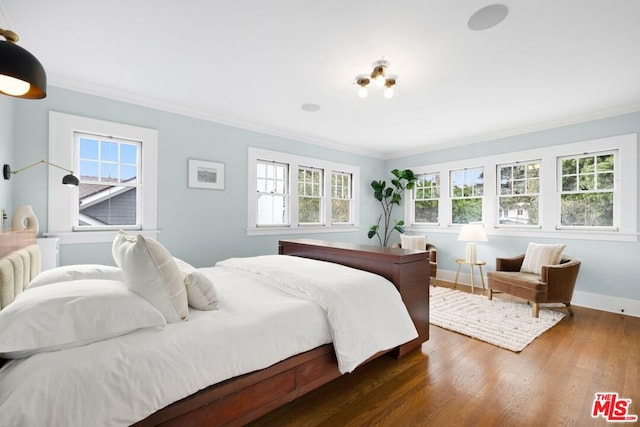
{"x": 242, "y": 399}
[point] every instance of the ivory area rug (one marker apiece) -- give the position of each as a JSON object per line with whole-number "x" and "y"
{"x": 506, "y": 324}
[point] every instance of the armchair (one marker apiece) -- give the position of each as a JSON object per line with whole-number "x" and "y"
{"x": 555, "y": 284}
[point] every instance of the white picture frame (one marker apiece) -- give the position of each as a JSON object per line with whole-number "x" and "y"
{"x": 205, "y": 174}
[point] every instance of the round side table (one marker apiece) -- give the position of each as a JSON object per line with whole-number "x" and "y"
{"x": 479, "y": 264}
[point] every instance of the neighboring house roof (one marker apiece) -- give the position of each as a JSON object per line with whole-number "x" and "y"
{"x": 95, "y": 194}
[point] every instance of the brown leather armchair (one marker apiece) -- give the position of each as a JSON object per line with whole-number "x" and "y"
{"x": 555, "y": 284}
{"x": 433, "y": 259}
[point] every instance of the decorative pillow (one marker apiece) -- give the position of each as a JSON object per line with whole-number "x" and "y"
{"x": 120, "y": 238}
{"x": 184, "y": 266}
{"x": 149, "y": 270}
{"x": 200, "y": 291}
{"x": 413, "y": 242}
{"x": 71, "y": 314}
{"x": 76, "y": 272}
{"x": 538, "y": 255}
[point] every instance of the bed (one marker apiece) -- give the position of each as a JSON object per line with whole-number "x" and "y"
{"x": 251, "y": 386}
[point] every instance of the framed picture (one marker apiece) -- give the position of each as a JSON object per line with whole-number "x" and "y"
{"x": 204, "y": 174}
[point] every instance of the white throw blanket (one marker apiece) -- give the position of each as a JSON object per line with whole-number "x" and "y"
{"x": 365, "y": 311}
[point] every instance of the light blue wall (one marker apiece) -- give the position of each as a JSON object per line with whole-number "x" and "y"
{"x": 6, "y": 151}
{"x": 608, "y": 268}
{"x": 200, "y": 226}
{"x": 203, "y": 226}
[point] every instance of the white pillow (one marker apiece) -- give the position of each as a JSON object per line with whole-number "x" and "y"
{"x": 149, "y": 270}
{"x": 201, "y": 292}
{"x": 413, "y": 242}
{"x": 71, "y": 314}
{"x": 538, "y": 255}
{"x": 120, "y": 238}
{"x": 184, "y": 266}
{"x": 76, "y": 272}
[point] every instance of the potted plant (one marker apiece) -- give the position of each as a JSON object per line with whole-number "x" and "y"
{"x": 388, "y": 198}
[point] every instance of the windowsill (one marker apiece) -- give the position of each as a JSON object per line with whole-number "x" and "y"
{"x": 614, "y": 236}
{"x": 266, "y": 231}
{"x": 81, "y": 237}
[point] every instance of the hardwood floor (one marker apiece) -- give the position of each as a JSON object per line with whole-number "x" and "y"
{"x": 460, "y": 381}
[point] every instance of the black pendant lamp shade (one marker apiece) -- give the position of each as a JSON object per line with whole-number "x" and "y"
{"x": 18, "y": 63}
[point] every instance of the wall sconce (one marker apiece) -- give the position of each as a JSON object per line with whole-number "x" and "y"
{"x": 70, "y": 179}
{"x": 21, "y": 74}
{"x": 380, "y": 77}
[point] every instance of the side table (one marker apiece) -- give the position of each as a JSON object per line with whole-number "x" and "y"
{"x": 461, "y": 261}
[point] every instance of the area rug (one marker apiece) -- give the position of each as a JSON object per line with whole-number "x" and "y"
{"x": 506, "y": 324}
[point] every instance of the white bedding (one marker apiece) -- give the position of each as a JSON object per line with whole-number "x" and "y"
{"x": 364, "y": 310}
{"x": 122, "y": 380}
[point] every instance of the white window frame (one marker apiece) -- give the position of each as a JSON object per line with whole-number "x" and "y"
{"x": 284, "y": 195}
{"x": 616, "y": 206}
{"x": 322, "y": 195}
{"x": 412, "y": 205}
{"x": 350, "y": 199}
{"x": 500, "y": 195}
{"x": 117, "y": 189}
{"x": 626, "y": 191}
{"x": 62, "y": 199}
{"x": 452, "y": 197}
{"x": 295, "y": 162}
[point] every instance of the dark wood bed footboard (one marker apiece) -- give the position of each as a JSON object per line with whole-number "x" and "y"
{"x": 240, "y": 400}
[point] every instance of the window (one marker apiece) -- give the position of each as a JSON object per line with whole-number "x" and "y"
{"x": 295, "y": 194}
{"x": 587, "y": 184}
{"x": 426, "y": 195}
{"x": 467, "y": 189}
{"x": 581, "y": 190}
{"x": 118, "y": 179}
{"x": 108, "y": 170}
{"x": 518, "y": 193}
{"x": 272, "y": 193}
{"x": 341, "y": 198}
{"x": 310, "y": 198}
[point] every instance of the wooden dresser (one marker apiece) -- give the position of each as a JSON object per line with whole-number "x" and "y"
{"x": 12, "y": 240}
{"x": 408, "y": 270}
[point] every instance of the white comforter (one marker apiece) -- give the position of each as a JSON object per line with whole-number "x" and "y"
{"x": 365, "y": 311}
{"x": 122, "y": 380}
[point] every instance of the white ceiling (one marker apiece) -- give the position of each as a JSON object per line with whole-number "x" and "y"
{"x": 254, "y": 63}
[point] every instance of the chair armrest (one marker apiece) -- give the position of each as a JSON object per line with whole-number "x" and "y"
{"x": 561, "y": 279}
{"x": 509, "y": 264}
{"x": 433, "y": 253}
{"x": 561, "y": 273}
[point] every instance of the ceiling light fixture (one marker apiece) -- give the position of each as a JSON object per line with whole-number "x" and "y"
{"x": 21, "y": 74}
{"x": 380, "y": 77}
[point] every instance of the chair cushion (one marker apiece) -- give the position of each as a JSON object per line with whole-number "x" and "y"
{"x": 523, "y": 285}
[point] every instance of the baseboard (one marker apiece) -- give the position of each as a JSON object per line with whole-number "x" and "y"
{"x": 626, "y": 306}
{"x": 630, "y": 307}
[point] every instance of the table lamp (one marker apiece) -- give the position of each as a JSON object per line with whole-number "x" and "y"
{"x": 472, "y": 233}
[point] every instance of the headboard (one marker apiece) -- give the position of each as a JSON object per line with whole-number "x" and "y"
{"x": 20, "y": 261}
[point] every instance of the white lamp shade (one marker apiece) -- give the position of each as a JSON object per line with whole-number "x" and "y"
{"x": 472, "y": 233}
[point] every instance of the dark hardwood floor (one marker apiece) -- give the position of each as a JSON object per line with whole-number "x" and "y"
{"x": 460, "y": 381}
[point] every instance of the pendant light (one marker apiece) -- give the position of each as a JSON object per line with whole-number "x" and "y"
{"x": 21, "y": 74}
